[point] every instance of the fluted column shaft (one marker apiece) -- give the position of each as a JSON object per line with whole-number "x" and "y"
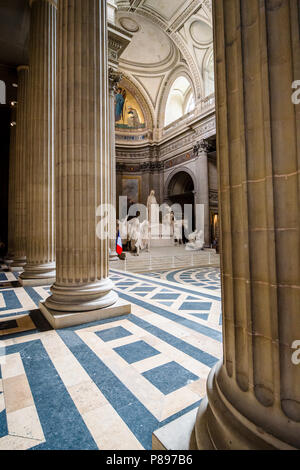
{"x": 12, "y": 188}
{"x": 202, "y": 196}
{"x": 20, "y": 176}
{"x": 40, "y": 250}
{"x": 254, "y": 395}
{"x": 114, "y": 78}
{"x": 83, "y": 164}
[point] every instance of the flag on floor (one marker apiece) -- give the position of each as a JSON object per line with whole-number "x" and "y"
{"x": 119, "y": 244}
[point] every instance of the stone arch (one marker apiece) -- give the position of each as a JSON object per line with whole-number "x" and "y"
{"x": 181, "y": 169}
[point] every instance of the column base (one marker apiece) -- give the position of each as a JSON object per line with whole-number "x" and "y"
{"x": 36, "y": 282}
{"x": 242, "y": 423}
{"x": 8, "y": 260}
{"x": 17, "y": 265}
{"x": 16, "y": 268}
{"x": 38, "y": 275}
{"x": 60, "y": 320}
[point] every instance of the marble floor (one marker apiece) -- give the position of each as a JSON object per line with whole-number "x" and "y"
{"x": 107, "y": 385}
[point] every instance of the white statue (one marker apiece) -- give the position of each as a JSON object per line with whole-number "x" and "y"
{"x": 151, "y": 201}
{"x": 168, "y": 223}
{"x": 196, "y": 241}
{"x": 133, "y": 233}
{"x": 142, "y": 242}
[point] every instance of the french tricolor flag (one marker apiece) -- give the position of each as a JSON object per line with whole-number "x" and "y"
{"x": 119, "y": 247}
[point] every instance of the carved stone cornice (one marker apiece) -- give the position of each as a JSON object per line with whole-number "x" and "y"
{"x": 118, "y": 40}
{"x": 147, "y": 167}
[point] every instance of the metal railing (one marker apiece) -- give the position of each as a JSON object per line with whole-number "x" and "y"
{"x": 158, "y": 263}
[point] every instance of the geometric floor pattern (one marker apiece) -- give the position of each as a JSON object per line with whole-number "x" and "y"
{"x": 107, "y": 385}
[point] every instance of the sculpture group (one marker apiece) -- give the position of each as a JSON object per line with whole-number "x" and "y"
{"x": 137, "y": 234}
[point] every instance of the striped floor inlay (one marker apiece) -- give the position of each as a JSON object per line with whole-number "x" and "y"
{"x": 107, "y": 385}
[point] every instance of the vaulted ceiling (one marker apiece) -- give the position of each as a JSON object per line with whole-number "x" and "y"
{"x": 171, "y": 38}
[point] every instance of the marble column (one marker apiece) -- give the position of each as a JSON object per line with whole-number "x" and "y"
{"x": 18, "y": 224}
{"x": 40, "y": 243}
{"x": 114, "y": 78}
{"x": 83, "y": 291}
{"x": 202, "y": 196}
{"x": 12, "y": 188}
{"x": 253, "y": 396}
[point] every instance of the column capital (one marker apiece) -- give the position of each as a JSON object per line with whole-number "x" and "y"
{"x": 114, "y": 77}
{"x": 201, "y": 147}
{"x": 53, "y": 2}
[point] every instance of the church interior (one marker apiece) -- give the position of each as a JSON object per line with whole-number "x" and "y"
{"x": 149, "y": 236}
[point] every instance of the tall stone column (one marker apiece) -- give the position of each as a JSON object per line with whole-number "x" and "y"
{"x": 40, "y": 248}
{"x": 114, "y": 78}
{"x": 202, "y": 196}
{"x": 19, "y": 176}
{"x": 83, "y": 291}
{"x": 253, "y": 396}
{"x": 11, "y": 188}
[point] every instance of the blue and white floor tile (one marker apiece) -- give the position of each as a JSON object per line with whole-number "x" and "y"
{"x": 110, "y": 384}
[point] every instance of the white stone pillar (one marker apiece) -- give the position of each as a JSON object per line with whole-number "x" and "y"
{"x": 40, "y": 248}
{"x": 19, "y": 176}
{"x": 83, "y": 291}
{"x": 202, "y": 196}
{"x": 253, "y": 396}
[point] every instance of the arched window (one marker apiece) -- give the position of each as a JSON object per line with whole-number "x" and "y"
{"x": 180, "y": 100}
{"x": 2, "y": 92}
{"x": 190, "y": 102}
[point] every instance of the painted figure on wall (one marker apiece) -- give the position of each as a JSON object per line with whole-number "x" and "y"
{"x": 128, "y": 113}
{"x": 120, "y": 101}
{"x": 133, "y": 118}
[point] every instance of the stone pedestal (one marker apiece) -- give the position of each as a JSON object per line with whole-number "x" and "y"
{"x": 253, "y": 395}
{"x": 40, "y": 238}
{"x": 83, "y": 291}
